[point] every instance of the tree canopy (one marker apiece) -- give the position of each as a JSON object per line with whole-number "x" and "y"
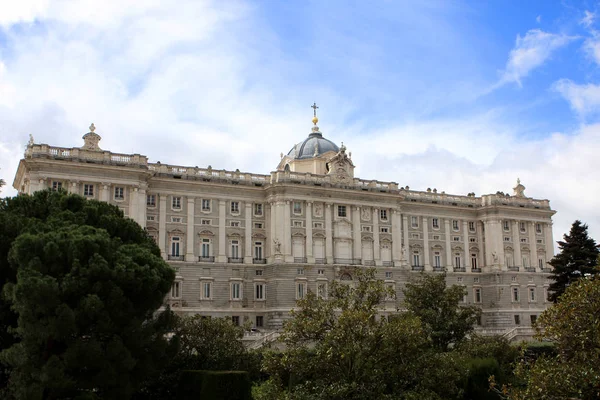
{"x": 578, "y": 257}
{"x": 81, "y": 284}
{"x": 438, "y": 307}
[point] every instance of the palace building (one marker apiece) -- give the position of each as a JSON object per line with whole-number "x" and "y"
{"x": 246, "y": 246}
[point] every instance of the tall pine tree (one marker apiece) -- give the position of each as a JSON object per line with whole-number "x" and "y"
{"x": 578, "y": 257}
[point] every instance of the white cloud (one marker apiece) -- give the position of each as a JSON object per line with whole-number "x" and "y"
{"x": 538, "y": 19}
{"x": 588, "y": 19}
{"x": 531, "y": 52}
{"x": 583, "y": 99}
{"x": 202, "y": 84}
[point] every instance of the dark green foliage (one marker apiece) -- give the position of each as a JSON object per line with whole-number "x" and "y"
{"x": 578, "y": 257}
{"x": 477, "y": 386}
{"x": 80, "y": 287}
{"x": 438, "y": 307}
{"x": 214, "y": 385}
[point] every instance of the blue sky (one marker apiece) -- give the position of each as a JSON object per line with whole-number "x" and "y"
{"x": 458, "y": 95}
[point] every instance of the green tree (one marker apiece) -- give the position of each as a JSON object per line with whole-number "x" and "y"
{"x": 341, "y": 349}
{"x": 83, "y": 284}
{"x": 574, "y": 326}
{"x": 438, "y": 307}
{"x": 212, "y": 344}
{"x": 578, "y": 257}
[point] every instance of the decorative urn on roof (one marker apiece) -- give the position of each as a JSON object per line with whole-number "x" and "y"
{"x": 91, "y": 139}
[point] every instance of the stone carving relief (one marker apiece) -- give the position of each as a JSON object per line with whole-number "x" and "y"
{"x": 341, "y": 168}
{"x": 365, "y": 214}
{"x": 318, "y": 210}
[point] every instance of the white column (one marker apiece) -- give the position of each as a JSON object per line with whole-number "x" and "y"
{"x": 533, "y": 246}
{"x": 328, "y": 235}
{"x": 405, "y": 243}
{"x": 248, "y": 233}
{"x": 549, "y": 243}
{"x": 133, "y": 204}
{"x": 222, "y": 257}
{"x": 396, "y": 238}
{"x": 376, "y": 245}
{"x": 309, "y": 233}
{"x": 466, "y": 257}
{"x": 272, "y": 234}
{"x": 480, "y": 244}
{"x": 190, "y": 237}
{"x": 518, "y": 259}
{"x": 142, "y": 207}
{"x": 426, "y": 262}
{"x": 448, "y": 244}
{"x": 162, "y": 225}
{"x": 356, "y": 233}
{"x": 287, "y": 231}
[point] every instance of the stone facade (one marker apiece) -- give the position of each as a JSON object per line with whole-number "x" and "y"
{"x": 247, "y": 246}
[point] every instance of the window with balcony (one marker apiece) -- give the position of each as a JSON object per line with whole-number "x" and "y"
{"x": 235, "y": 249}
{"x": 416, "y": 259}
{"x": 205, "y": 249}
{"x": 175, "y": 246}
{"x": 474, "y": 260}
{"x": 258, "y": 251}
{"x": 437, "y": 259}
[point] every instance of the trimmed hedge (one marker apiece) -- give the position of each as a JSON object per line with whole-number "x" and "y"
{"x": 214, "y": 385}
{"x": 477, "y": 386}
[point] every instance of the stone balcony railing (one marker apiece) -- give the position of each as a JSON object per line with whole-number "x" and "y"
{"x": 277, "y": 177}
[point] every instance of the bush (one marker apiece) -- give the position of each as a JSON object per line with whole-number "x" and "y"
{"x": 477, "y": 386}
{"x": 214, "y": 385}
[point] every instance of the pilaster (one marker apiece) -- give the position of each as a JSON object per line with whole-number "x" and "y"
{"x": 309, "y": 233}
{"x": 356, "y": 233}
{"x": 222, "y": 256}
{"x": 328, "y": 234}
{"x": 405, "y": 244}
{"x": 426, "y": 250}
{"x": 134, "y": 204}
{"x": 248, "y": 233}
{"x": 190, "y": 237}
{"x": 533, "y": 246}
{"x": 104, "y": 192}
{"x": 162, "y": 225}
{"x": 448, "y": 244}
{"x": 396, "y": 238}
{"x": 518, "y": 259}
{"x": 376, "y": 245}
{"x": 549, "y": 243}
{"x": 287, "y": 232}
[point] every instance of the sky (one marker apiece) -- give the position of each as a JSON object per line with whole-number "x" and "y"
{"x": 462, "y": 96}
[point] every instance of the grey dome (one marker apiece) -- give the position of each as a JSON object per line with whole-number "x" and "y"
{"x": 306, "y": 149}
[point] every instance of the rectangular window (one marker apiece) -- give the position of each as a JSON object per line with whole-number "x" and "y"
{"x": 151, "y": 200}
{"x": 388, "y": 275}
{"x": 205, "y": 251}
{"x": 258, "y": 209}
{"x": 522, "y": 227}
{"x": 457, "y": 262}
{"x": 384, "y": 229}
{"x": 538, "y": 228}
{"x": 471, "y": 226}
{"x": 533, "y": 319}
{"x": 416, "y": 260}
{"x": 300, "y": 290}
{"x": 258, "y": 272}
{"x": 523, "y": 240}
{"x": 258, "y": 225}
{"x": 320, "y": 272}
{"x": 300, "y": 271}
{"x": 506, "y": 225}
{"x": 235, "y": 207}
{"x": 455, "y": 225}
{"x": 175, "y": 243}
{"x": 88, "y": 190}
{"x": 235, "y": 320}
{"x": 383, "y": 214}
{"x": 473, "y": 260}
{"x": 258, "y": 250}
{"x": 341, "y": 211}
{"x": 150, "y": 218}
{"x": 456, "y": 238}
{"x": 176, "y": 290}
{"x": 414, "y": 236}
{"x": 206, "y": 205}
{"x": 119, "y": 193}
{"x": 472, "y": 240}
{"x": 259, "y": 291}
{"x": 235, "y": 249}
{"x": 236, "y": 291}
{"x": 206, "y": 290}
{"x": 515, "y": 294}
{"x": 436, "y": 237}
{"x": 234, "y": 224}
{"x": 476, "y": 280}
{"x": 540, "y": 263}
{"x": 177, "y": 220}
{"x": 205, "y": 222}
{"x": 507, "y": 238}
{"x": 298, "y": 224}
{"x": 414, "y": 222}
{"x": 259, "y": 321}
{"x": 56, "y": 186}
{"x": 477, "y": 295}
{"x": 318, "y": 225}
{"x": 435, "y": 223}
{"x": 366, "y": 228}
{"x": 525, "y": 262}
{"x": 517, "y": 319}
{"x": 297, "y": 207}
{"x": 532, "y": 294}
{"x": 437, "y": 259}
{"x": 176, "y": 203}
